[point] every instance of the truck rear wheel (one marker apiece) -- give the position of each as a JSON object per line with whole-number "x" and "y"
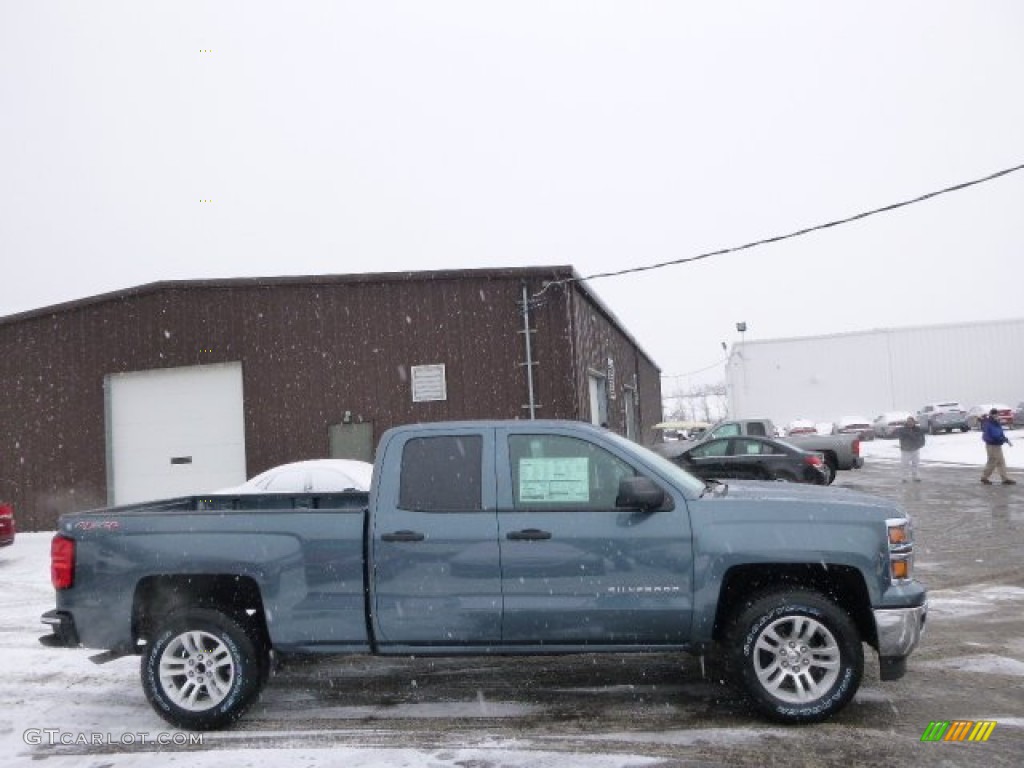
{"x": 796, "y": 654}
{"x": 201, "y": 670}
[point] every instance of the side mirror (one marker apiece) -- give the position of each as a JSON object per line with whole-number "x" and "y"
{"x": 639, "y": 493}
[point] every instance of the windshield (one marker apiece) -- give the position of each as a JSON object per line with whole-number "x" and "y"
{"x": 687, "y": 482}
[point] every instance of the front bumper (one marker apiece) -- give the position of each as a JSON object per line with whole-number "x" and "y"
{"x": 899, "y": 631}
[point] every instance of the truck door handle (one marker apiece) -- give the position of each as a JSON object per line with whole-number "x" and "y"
{"x": 403, "y": 536}
{"x": 530, "y": 534}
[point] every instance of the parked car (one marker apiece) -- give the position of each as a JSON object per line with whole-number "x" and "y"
{"x": 943, "y": 417}
{"x": 854, "y": 425}
{"x": 1018, "y": 415}
{"x": 801, "y": 427}
{"x": 6, "y": 525}
{"x": 886, "y": 424}
{"x": 1003, "y": 412}
{"x": 753, "y": 458}
{"x": 681, "y": 430}
{"x": 840, "y": 452}
{"x": 313, "y": 476}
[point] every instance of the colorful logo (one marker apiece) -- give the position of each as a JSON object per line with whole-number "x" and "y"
{"x": 958, "y": 730}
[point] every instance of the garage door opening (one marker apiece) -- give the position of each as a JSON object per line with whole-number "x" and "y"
{"x": 174, "y": 432}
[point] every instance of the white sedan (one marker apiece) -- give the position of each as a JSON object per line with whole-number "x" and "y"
{"x": 313, "y": 476}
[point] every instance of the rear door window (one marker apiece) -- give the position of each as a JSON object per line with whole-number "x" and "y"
{"x": 441, "y": 474}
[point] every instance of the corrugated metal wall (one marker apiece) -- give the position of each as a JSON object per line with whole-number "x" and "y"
{"x": 826, "y": 377}
{"x": 312, "y": 350}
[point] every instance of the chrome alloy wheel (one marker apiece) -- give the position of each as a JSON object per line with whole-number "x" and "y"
{"x": 196, "y": 670}
{"x": 796, "y": 659}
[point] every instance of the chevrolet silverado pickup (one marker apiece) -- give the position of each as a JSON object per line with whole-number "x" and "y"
{"x": 496, "y": 537}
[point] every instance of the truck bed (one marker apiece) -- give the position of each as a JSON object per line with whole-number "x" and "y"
{"x": 310, "y": 572}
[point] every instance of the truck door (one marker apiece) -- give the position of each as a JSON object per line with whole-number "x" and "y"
{"x": 576, "y": 569}
{"x": 435, "y": 576}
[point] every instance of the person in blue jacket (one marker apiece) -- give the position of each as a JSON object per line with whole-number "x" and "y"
{"x": 994, "y": 437}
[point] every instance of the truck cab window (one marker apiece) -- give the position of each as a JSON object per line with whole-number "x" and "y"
{"x": 441, "y": 474}
{"x": 555, "y": 472}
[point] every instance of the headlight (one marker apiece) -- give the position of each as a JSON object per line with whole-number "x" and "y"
{"x": 901, "y": 550}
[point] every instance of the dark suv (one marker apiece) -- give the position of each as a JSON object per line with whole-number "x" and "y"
{"x": 943, "y": 417}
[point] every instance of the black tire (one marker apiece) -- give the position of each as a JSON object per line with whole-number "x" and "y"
{"x": 799, "y": 627}
{"x": 181, "y": 683}
{"x": 831, "y": 470}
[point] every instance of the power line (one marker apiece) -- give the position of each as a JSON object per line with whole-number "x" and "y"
{"x": 693, "y": 373}
{"x": 797, "y": 233}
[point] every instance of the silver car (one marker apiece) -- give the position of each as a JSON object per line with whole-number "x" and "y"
{"x": 887, "y": 423}
{"x": 943, "y": 417}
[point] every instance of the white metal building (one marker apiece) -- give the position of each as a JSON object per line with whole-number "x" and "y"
{"x": 824, "y": 378}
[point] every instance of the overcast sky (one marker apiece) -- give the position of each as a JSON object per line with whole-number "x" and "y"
{"x": 338, "y": 137}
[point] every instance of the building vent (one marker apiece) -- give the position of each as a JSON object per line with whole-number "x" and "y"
{"x": 428, "y": 383}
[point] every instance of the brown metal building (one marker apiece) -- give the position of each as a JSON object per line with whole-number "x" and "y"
{"x": 321, "y": 365}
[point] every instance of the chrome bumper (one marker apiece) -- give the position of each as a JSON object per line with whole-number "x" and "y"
{"x": 899, "y": 630}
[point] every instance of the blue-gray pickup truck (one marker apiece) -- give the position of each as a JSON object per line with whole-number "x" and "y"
{"x": 496, "y": 537}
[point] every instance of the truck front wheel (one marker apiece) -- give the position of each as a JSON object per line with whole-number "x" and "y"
{"x": 201, "y": 670}
{"x": 796, "y": 654}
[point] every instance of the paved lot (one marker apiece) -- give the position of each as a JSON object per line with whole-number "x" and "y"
{"x": 970, "y": 666}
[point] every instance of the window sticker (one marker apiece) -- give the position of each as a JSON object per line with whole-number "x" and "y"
{"x": 554, "y": 480}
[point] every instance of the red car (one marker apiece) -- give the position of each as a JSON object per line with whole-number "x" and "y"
{"x": 6, "y": 525}
{"x": 1004, "y": 414}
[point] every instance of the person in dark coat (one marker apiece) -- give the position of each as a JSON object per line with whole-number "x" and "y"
{"x": 994, "y": 437}
{"x": 911, "y": 438}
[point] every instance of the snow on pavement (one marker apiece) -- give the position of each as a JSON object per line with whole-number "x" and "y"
{"x": 962, "y": 449}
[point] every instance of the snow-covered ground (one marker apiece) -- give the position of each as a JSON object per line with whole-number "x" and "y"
{"x": 961, "y": 448}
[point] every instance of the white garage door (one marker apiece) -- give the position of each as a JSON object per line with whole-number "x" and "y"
{"x": 174, "y": 432}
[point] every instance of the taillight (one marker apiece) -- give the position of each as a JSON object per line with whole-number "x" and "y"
{"x": 62, "y": 562}
{"x": 813, "y": 460}
{"x": 856, "y": 447}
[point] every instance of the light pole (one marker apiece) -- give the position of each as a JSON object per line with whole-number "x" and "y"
{"x": 741, "y": 326}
